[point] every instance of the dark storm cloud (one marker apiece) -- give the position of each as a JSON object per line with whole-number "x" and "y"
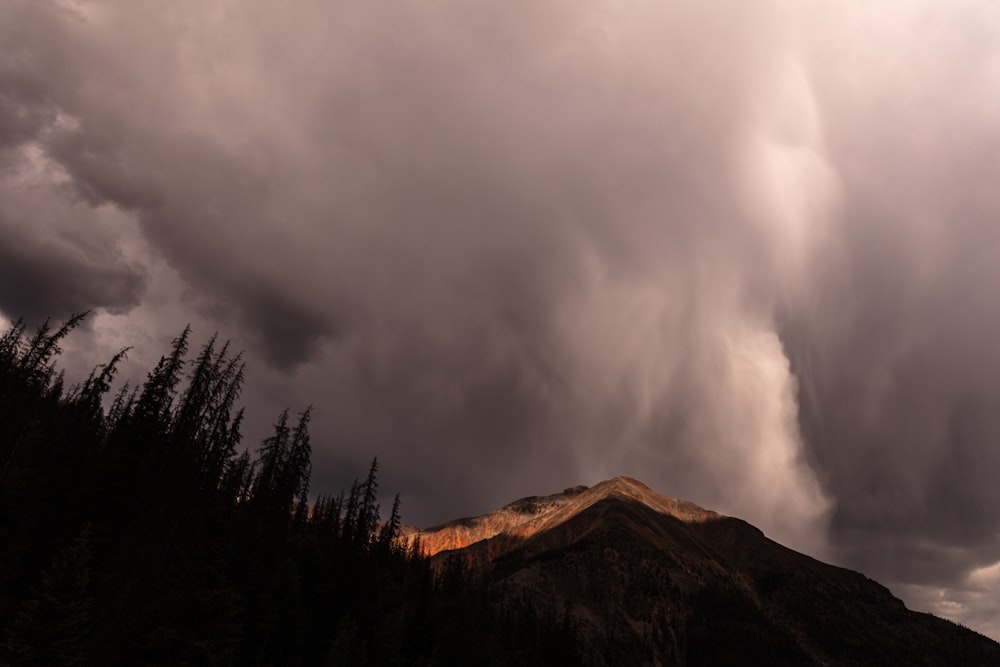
{"x": 289, "y": 333}
{"x": 57, "y": 258}
{"x": 38, "y": 279}
{"x": 744, "y": 252}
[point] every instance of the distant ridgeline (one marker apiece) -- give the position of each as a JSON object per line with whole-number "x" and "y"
{"x": 145, "y": 534}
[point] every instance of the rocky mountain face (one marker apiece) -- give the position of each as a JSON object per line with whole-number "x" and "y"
{"x": 649, "y": 580}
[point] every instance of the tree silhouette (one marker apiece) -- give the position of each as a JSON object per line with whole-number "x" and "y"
{"x": 146, "y": 533}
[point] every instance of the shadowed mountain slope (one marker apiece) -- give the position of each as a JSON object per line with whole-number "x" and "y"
{"x": 651, "y": 580}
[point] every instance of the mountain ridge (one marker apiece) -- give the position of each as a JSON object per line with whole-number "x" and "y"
{"x": 531, "y": 515}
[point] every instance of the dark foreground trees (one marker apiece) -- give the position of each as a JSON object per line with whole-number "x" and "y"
{"x": 136, "y": 529}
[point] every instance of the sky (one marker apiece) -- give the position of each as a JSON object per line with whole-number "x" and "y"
{"x": 745, "y": 251}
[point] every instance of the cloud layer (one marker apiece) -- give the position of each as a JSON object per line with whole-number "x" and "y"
{"x": 743, "y": 252}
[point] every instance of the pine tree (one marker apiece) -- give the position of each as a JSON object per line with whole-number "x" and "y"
{"x": 156, "y": 400}
{"x": 368, "y": 515}
{"x": 388, "y": 535}
{"x": 88, "y": 396}
{"x": 37, "y": 360}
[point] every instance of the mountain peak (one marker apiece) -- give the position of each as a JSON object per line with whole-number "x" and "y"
{"x": 532, "y": 515}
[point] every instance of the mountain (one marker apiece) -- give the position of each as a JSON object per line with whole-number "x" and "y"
{"x": 649, "y": 580}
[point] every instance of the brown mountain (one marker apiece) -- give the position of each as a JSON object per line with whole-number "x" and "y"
{"x": 649, "y": 580}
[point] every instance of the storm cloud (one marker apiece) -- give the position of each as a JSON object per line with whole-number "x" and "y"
{"x": 745, "y": 252}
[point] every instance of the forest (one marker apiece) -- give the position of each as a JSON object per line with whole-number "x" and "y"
{"x": 137, "y": 528}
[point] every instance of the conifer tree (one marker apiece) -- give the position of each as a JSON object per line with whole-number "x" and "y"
{"x": 37, "y": 359}
{"x": 368, "y": 514}
{"x": 156, "y": 399}
{"x": 89, "y": 395}
{"x": 389, "y": 532}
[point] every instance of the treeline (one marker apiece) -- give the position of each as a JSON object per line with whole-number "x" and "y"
{"x": 137, "y": 529}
